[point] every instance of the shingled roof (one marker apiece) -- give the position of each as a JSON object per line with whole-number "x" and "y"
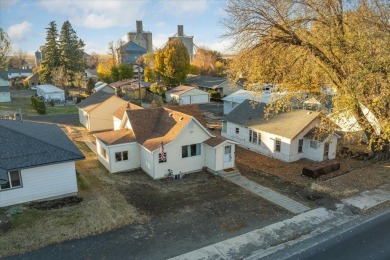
{"x": 153, "y": 126}
{"x": 116, "y": 137}
{"x": 288, "y": 124}
{"x": 94, "y": 100}
{"x": 179, "y": 90}
{"x": 192, "y": 110}
{"x": 121, "y": 111}
{"x": 28, "y": 144}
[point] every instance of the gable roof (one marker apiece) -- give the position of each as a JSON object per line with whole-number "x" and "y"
{"x": 131, "y": 47}
{"x": 28, "y": 144}
{"x": 288, "y": 124}
{"x": 4, "y": 75}
{"x": 241, "y": 95}
{"x": 50, "y": 89}
{"x": 205, "y": 81}
{"x": 192, "y": 110}
{"x": 153, "y": 126}
{"x": 121, "y": 111}
{"x": 94, "y": 100}
{"x": 179, "y": 90}
{"x": 33, "y": 76}
{"x": 317, "y": 134}
{"x": 216, "y": 140}
{"x": 4, "y": 89}
{"x": 116, "y": 137}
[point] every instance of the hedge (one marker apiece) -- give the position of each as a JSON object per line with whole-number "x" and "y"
{"x": 38, "y": 105}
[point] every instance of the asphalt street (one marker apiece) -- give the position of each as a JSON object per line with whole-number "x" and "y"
{"x": 369, "y": 240}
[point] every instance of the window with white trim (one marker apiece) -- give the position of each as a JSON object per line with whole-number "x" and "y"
{"x": 278, "y": 144}
{"x": 300, "y": 145}
{"x": 190, "y": 150}
{"x": 254, "y": 137}
{"x": 103, "y": 152}
{"x": 13, "y": 180}
{"x": 313, "y": 144}
{"x": 121, "y": 156}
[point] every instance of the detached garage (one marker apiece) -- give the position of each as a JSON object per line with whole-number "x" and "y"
{"x": 185, "y": 95}
{"x": 49, "y": 92}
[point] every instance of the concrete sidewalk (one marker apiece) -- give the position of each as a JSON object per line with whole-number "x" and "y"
{"x": 262, "y": 242}
{"x": 273, "y": 238}
{"x": 268, "y": 194}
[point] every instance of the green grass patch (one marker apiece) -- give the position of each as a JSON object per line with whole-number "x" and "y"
{"x": 70, "y": 218}
{"x": 83, "y": 186}
{"x": 26, "y": 218}
{"x": 17, "y": 103}
{"x": 61, "y": 110}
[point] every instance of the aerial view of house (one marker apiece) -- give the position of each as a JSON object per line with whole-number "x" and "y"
{"x": 287, "y": 136}
{"x": 184, "y": 95}
{"x": 95, "y": 112}
{"x": 163, "y": 141}
{"x": 238, "y": 129}
{"x": 37, "y": 162}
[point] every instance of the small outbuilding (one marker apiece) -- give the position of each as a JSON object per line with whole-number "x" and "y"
{"x": 49, "y": 92}
{"x": 185, "y": 95}
{"x": 5, "y": 94}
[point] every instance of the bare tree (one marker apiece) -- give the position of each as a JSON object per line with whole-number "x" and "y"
{"x": 5, "y": 49}
{"x": 306, "y": 43}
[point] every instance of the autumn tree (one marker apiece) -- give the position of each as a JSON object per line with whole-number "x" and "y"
{"x": 103, "y": 70}
{"x": 5, "y": 49}
{"x": 172, "y": 62}
{"x": 207, "y": 61}
{"x": 305, "y": 44}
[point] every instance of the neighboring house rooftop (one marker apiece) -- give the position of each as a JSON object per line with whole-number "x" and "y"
{"x": 287, "y": 124}
{"x": 94, "y": 100}
{"x": 28, "y": 144}
{"x": 19, "y": 71}
{"x": 180, "y": 90}
{"x": 240, "y": 95}
{"x": 4, "y": 89}
{"x": 131, "y": 46}
{"x": 4, "y": 75}
{"x": 33, "y": 76}
{"x": 205, "y": 81}
{"x": 50, "y": 89}
{"x": 129, "y": 83}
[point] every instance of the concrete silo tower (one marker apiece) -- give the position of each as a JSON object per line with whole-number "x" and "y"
{"x": 187, "y": 40}
{"x": 141, "y": 37}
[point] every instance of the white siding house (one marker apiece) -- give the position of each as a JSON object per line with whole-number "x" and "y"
{"x": 5, "y": 94}
{"x": 185, "y": 95}
{"x": 49, "y": 92}
{"x": 146, "y": 133}
{"x": 222, "y": 85}
{"x": 283, "y": 137}
{"x": 41, "y": 166}
{"x": 233, "y": 100}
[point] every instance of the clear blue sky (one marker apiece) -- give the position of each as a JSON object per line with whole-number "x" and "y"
{"x": 98, "y": 22}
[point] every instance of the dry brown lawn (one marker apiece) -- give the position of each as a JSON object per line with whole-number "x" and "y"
{"x": 103, "y": 208}
{"x": 353, "y": 177}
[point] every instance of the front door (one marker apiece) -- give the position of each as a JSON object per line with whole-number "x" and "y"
{"x": 326, "y": 151}
{"x": 227, "y": 157}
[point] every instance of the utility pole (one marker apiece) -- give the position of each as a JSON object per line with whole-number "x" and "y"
{"x": 139, "y": 82}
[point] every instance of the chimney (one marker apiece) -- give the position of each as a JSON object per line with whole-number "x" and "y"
{"x": 139, "y": 27}
{"x": 180, "y": 30}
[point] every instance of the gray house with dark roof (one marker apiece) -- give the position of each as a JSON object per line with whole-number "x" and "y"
{"x": 132, "y": 51}
{"x": 37, "y": 162}
{"x": 222, "y": 85}
{"x": 284, "y": 136}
